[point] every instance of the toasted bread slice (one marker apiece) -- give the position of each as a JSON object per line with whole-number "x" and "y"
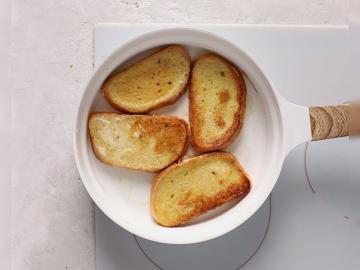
{"x": 151, "y": 83}
{"x": 217, "y": 103}
{"x": 139, "y": 142}
{"x": 186, "y": 190}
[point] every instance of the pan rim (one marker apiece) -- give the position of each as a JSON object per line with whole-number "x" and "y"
{"x": 157, "y": 38}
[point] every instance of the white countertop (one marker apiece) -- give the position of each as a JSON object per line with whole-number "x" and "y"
{"x": 52, "y": 57}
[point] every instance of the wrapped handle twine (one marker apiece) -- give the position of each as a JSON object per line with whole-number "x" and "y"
{"x": 329, "y": 122}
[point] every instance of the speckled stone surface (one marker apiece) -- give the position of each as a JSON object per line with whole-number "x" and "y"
{"x": 52, "y": 57}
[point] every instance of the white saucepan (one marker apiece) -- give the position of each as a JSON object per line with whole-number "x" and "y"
{"x": 272, "y": 127}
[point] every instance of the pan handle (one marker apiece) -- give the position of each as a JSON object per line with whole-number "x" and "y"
{"x": 303, "y": 124}
{"x": 329, "y": 122}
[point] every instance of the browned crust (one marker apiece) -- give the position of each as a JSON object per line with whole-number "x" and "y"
{"x": 156, "y": 169}
{"x": 170, "y": 101}
{"x": 203, "y": 203}
{"x": 231, "y": 134}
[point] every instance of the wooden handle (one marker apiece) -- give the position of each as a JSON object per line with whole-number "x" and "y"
{"x": 329, "y": 122}
{"x": 354, "y": 119}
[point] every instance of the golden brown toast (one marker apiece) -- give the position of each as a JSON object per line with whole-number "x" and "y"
{"x": 217, "y": 103}
{"x": 139, "y": 142}
{"x": 188, "y": 189}
{"x": 155, "y": 81}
